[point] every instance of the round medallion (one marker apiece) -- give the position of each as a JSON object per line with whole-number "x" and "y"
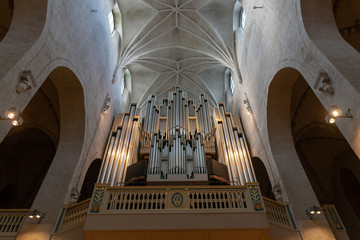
{"x": 177, "y": 200}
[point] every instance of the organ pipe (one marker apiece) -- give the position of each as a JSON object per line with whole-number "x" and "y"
{"x": 176, "y": 138}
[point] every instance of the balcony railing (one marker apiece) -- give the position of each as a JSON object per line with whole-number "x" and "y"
{"x": 333, "y": 218}
{"x": 11, "y": 220}
{"x": 118, "y": 200}
{"x": 279, "y": 214}
{"x": 72, "y": 216}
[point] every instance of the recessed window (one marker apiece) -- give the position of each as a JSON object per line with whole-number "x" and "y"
{"x": 242, "y": 18}
{"x": 111, "y": 21}
{"x": 231, "y": 83}
{"x": 239, "y": 16}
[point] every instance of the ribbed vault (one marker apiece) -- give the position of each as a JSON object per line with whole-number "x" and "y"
{"x": 171, "y": 41}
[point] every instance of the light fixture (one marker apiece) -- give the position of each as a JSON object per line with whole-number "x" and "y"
{"x": 13, "y": 115}
{"x": 334, "y": 113}
{"x": 248, "y": 107}
{"x": 106, "y": 105}
{"x": 314, "y": 210}
{"x": 17, "y": 122}
{"x": 37, "y": 215}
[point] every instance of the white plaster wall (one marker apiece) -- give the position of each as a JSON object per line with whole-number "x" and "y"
{"x": 74, "y": 34}
{"x": 275, "y": 38}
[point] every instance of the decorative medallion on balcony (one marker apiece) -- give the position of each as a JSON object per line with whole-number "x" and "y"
{"x": 177, "y": 200}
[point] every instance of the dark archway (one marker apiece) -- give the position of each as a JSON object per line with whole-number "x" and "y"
{"x": 293, "y": 176}
{"x": 25, "y": 158}
{"x": 90, "y": 179}
{"x": 27, "y": 151}
{"x": 351, "y": 187}
{"x": 6, "y": 15}
{"x": 262, "y": 177}
{"x": 318, "y": 145}
{"x": 347, "y": 17}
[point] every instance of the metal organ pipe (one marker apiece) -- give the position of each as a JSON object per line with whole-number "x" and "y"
{"x": 124, "y": 143}
{"x": 128, "y": 153}
{"x": 107, "y": 156}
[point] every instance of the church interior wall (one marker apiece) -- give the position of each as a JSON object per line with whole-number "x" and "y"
{"x": 282, "y": 40}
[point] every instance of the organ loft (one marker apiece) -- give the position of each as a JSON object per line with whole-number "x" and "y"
{"x": 175, "y": 141}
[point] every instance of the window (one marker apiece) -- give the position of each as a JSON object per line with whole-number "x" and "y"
{"x": 239, "y": 16}
{"x": 111, "y": 21}
{"x": 242, "y": 18}
{"x": 231, "y": 83}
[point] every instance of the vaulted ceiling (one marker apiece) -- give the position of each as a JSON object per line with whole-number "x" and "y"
{"x": 185, "y": 43}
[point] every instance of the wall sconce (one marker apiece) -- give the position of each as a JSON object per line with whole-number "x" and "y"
{"x": 106, "y": 103}
{"x": 14, "y": 116}
{"x": 314, "y": 210}
{"x": 37, "y": 215}
{"x": 247, "y": 103}
{"x": 335, "y": 113}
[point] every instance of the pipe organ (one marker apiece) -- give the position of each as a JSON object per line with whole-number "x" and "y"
{"x": 177, "y": 142}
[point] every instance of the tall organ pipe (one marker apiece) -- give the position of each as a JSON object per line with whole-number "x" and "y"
{"x": 122, "y": 147}
{"x": 114, "y": 159}
{"x": 107, "y": 156}
{"x": 128, "y": 153}
{"x": 234, "y": 150}
{"x": 227, "y": 156}
{"x": 242, "y": 158}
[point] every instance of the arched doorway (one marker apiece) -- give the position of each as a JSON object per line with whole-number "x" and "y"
{"x": 6, "y": 14}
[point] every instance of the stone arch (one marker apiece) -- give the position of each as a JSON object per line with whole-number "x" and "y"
{"x": 320, "y": 27}
{"x": 284, "y": 153}
{"x": 37, "y": 139}
{"x": 56, "y": 184}
{"x": 90, "y": 179}
{"x": 24, "y": 32}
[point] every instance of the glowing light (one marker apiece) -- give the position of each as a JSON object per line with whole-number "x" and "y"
{"x": 15, "y": 122}
{"x": 312, "y": 212}
{"x": 31, "y": 216}
{"x": 335, "y": 113}
{"x": 332, "y": 120}
{"x": 318, "y": 212}
{"x": 11, "y": 115}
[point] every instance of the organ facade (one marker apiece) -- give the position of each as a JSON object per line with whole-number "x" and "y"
{"x": 177, "y": 141}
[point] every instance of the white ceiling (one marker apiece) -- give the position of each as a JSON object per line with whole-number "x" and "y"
{"x": 185, "y": 43}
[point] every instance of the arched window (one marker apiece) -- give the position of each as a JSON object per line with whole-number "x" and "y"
{"x": 111, "y": 22}
{"x": 117, "y": 19}
{"x": 239, "y": 16}
{"x": 242, "y": 18}
{"x": 231, "y": 83}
